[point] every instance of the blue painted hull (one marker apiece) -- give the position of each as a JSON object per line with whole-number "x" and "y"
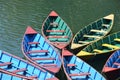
{"x": 112, "y": 66}
{"x": 77, "y": 69}
{"x": 15, "y": 68}
{"x": 37, "y": 50}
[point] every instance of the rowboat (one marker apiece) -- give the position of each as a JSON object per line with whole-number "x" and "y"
{"x": 15, "y": 68}
{"x": 38, "y": 51}
{"x": 112, "y": 66}
{"x": 108, "y": 44}
{"x": 93, "y": 32}
{"x": 76, "y": 69}
{"x": 56, "y": 31}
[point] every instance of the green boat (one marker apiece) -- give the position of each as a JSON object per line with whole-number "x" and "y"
{"x": 108, "y": 44}
{"x": 93, "y": 32}
{"x": 56, "y": 31}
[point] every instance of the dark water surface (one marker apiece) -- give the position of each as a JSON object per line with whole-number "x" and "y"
{"x": 16, "y": 15}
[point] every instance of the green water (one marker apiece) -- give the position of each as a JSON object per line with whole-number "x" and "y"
{"x": 16, "y": 15}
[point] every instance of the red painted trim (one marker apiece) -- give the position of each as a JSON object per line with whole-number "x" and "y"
{"x": 53, "y": 13}
{"x": 30, "y": 30}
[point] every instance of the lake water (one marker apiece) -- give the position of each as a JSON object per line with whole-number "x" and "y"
{"x": 16, "y": 15}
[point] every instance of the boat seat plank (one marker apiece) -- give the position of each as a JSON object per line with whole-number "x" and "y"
{"x": 91, "y": 36}
{"x": 110, "y": 46}
{"x": 115, "y": 63}
{"x": 70, "y": 65}
{"x": 49, "y": 65}
{"x": 100, "y": 31}
{"x": 117, "y": 39}
{"x": 98, "y": 51}
{"x": 33, "y": 43}
{"x": 57, "y": 36}
{"x": 5, "y": 63}
{"x": 43, "y": 58}
{"x": 80, "y": 74}
{"x": 54, "y": 30}
{"x": 54, "y": 24}
{"x": 105, "y": 25}
{"x": 19, "y": 70}
{"x": 84, "y": 42}
{"x": 33, "y": 77}
{"x": 38, "y": 51}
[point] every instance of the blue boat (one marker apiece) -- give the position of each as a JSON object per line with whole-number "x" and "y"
{"x": 112, "y": 66}
{"x": 38, "y": 51}
{"x": 76, "y": 69}
{"x": 15, "y": 68}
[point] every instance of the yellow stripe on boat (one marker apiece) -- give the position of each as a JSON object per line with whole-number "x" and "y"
{"x": 117, "y": 39}
{"x": 84, "y": 53}
{"x": 91, "y": 36}
{"x": 110, "y": 46}
{"x": 98, "y": 51}
{"x": 100, "y": 31}
{"x": 74, "y": 45}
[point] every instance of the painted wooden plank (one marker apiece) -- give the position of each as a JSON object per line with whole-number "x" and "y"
{"x": 117, "y": 39}
{"x": 5, "y": 63}
{"x": 43, "y": 58}
{"x": 79, "y": 74}
{"x": 110, "y": 46}
{"x": 49, "y": 65}
{"x": 106, "y": 25}
{"x": 19, "y": 70}
{"x": 54, "y": 24}
{"x": 91, "y": 36}
{"x": 33, "y": 43}
{"x": 70, "y": 65}
{"x": 57, "y": 36}
{"x": 37, "y": 51}
{"x": 55, "y": 31}
{"x": 98, "y": 51}
{"x": 115, "y": 63}
{"x": 84, "y": 42}
{"x": 99, "y": 31}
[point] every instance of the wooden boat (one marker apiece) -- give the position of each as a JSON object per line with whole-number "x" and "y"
{"x": 38, "y": 51}
{"x": 15, "y": 68}
{"x": 76, "y": 69}
{"x": 108, "y": 44}
{"x": 112, "y": 66}
{"x": 56, "y": 31}
{"x": 93, "y": 32}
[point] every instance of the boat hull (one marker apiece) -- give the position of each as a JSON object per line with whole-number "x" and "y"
{"x": 56, "y": 31}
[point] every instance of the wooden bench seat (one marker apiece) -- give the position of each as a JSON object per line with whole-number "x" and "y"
{"x": 19, "y": 70}
{"x": 5, "y": 63}
{"x": 54, "y": 30}
{"x": 84, "y": 42}
{"x": 57, "y": 36}
{"x": 33, "y": 43}
{"x": 117, "y": 39}
{"x": 79, "y": 74}
{"x": 54, "y": 24}
{"x": 38, "y": 51}
{"x": 110, "y": 46}
{"x": 91, "y": 36}
{"x": 33, "y": 77}
{"x": 98, "y": 51}
{"x": 99, "y": 31}
{"x": 115, "y": 63}
{"x": 70, "y": 65}
{"x": 43, "y": 58}
{"x": 105, "y": 25}
{"x": 49, "y": 65}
